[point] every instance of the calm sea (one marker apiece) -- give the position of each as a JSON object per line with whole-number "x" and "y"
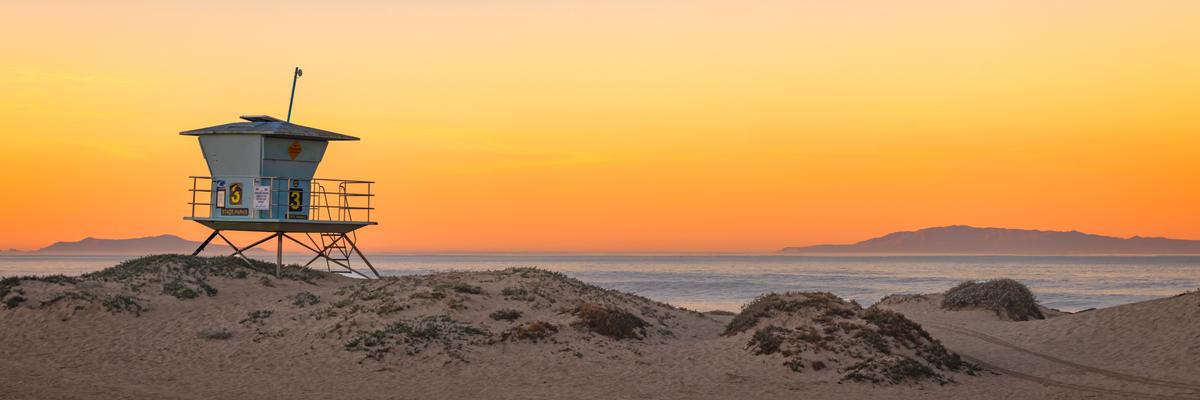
{"x": 727, "y": 282}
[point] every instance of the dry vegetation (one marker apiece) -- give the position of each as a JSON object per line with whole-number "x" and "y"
{"x": 820, "y": 332}
{"x": 393, "y": 320}
{"x": 1006, "y": 297}
{"x": 471, "y": 317}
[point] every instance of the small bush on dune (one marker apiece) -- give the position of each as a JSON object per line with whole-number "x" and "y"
{"x": 13, "y": 302}
{"x": 256, "y": 317}
{"x": 610, "y": 321}
{"x": 517, "y": 293}
{"x": 435, "y": 295}
{"x": 1006, "y": 297}
{"x": 8, "y": 284}
{"x": 765, "y": 305}
{"x": 178, "y": 289}
{"x": 304, "y": 299}
{"x": 122, "y": 303}
{"x": 463, "y": 288}
{"x": 506, "y": 315}
{"x": 414, "y": 336}
{"x": 892, "y": 370}
{"x": 533, "y": 331}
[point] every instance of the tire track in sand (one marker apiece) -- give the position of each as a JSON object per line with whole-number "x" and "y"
{"x": 1159, "y": 383}
{"x": 1072, "y": 386}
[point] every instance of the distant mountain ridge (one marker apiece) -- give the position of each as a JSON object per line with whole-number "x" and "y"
{"x": 961, "y": 239}
{"x": 136, "y": 246}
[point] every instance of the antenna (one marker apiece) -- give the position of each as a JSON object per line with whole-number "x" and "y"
{"x": 295, "y": 77}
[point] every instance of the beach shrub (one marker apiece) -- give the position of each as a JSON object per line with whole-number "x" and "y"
{"x": 768, "y": 304}
{"x": 180, "y": 290}
{"x": 892, "y": 370}
{"x": 70, "y": 296}
{"x": 506, "y": 315}
{"x": 208, "y": 289}
{"x": 462, "y": 288}
{"x": 532, "y": 331}
{"x": 304, "y": 299}
{"x": 13, "y": 302}
{"x": 902, "y": 298}
{"x": 516, "y": 293}
{"x": 610, "y": 321}
{"x": 808, "y": 331}
{"x": 8, "y": 285}
{"x": 122, "y": 303}
{"x": 256, "y": 317}
{"x": 428, "y": 295}
{"x": 767, "y": 340}
{"x": 1006, "y": 297}
{"x": 415, "y": 335}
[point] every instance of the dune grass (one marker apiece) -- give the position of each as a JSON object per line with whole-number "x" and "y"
{"x": 610, "y": 321}
{"x": 765, "y": 305}
{"x": 1006, "y": 297}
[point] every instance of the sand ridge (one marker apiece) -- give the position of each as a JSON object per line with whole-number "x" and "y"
{"x": 184, "y": 327}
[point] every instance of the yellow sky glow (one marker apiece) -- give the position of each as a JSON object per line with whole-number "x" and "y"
{"x": 619, "y": 126}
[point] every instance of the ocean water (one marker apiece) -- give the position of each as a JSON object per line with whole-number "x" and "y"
{"x": 725, "y": 282}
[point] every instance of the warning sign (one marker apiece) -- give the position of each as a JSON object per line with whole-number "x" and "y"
{"x": 294, "y": 149}
{"x": 295, "y": 199}
{"x": 235, "y": 193}
{"x": 262, "y": 197}
{"x": 220, "y": 198}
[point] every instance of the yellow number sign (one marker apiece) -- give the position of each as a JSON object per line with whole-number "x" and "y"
{"x": 235, "y": 193}
{"x": 295, "y": 199}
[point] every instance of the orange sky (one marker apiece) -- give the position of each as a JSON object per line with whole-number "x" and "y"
{"x": 619, "y": 126}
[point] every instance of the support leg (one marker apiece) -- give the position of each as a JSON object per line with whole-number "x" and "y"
{"x": 360, "y": 255}
{"x": 279, "y": 253}
{"x": 321, "y": 254}
{"x": 205, "y": 242}
{"x": 238, "y": 252}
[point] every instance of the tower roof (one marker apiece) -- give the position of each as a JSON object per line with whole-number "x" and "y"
{"x": 266, "y": 125}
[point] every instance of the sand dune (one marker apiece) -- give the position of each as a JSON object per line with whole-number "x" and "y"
{"x": 1140, "y": 350}
{"x": 179, "y": 327}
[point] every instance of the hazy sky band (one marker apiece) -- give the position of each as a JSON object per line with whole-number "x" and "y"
{"x": 705, "y": 126}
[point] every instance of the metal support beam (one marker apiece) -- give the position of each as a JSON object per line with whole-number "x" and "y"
{"x": 239, "y": 252}
{"x": 236, "y": 252}
{"x": 360, "y": 255}
{"x": 205, "y": 242}
{"x": 278, "y": 236}
{"x": 321, "y": 254}
{"x": 279, "y": 253}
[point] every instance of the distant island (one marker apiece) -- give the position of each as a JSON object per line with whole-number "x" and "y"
{"x": 135, "y": 246}
{"x": 962, "y": 239}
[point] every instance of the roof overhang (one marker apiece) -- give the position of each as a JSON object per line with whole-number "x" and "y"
{"x": 265, "y": 125}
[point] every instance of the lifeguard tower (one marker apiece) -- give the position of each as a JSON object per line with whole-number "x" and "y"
{"x": 261, "y": 180}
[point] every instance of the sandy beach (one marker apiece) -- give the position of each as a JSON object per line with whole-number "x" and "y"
{"x": 176, "y": 327}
